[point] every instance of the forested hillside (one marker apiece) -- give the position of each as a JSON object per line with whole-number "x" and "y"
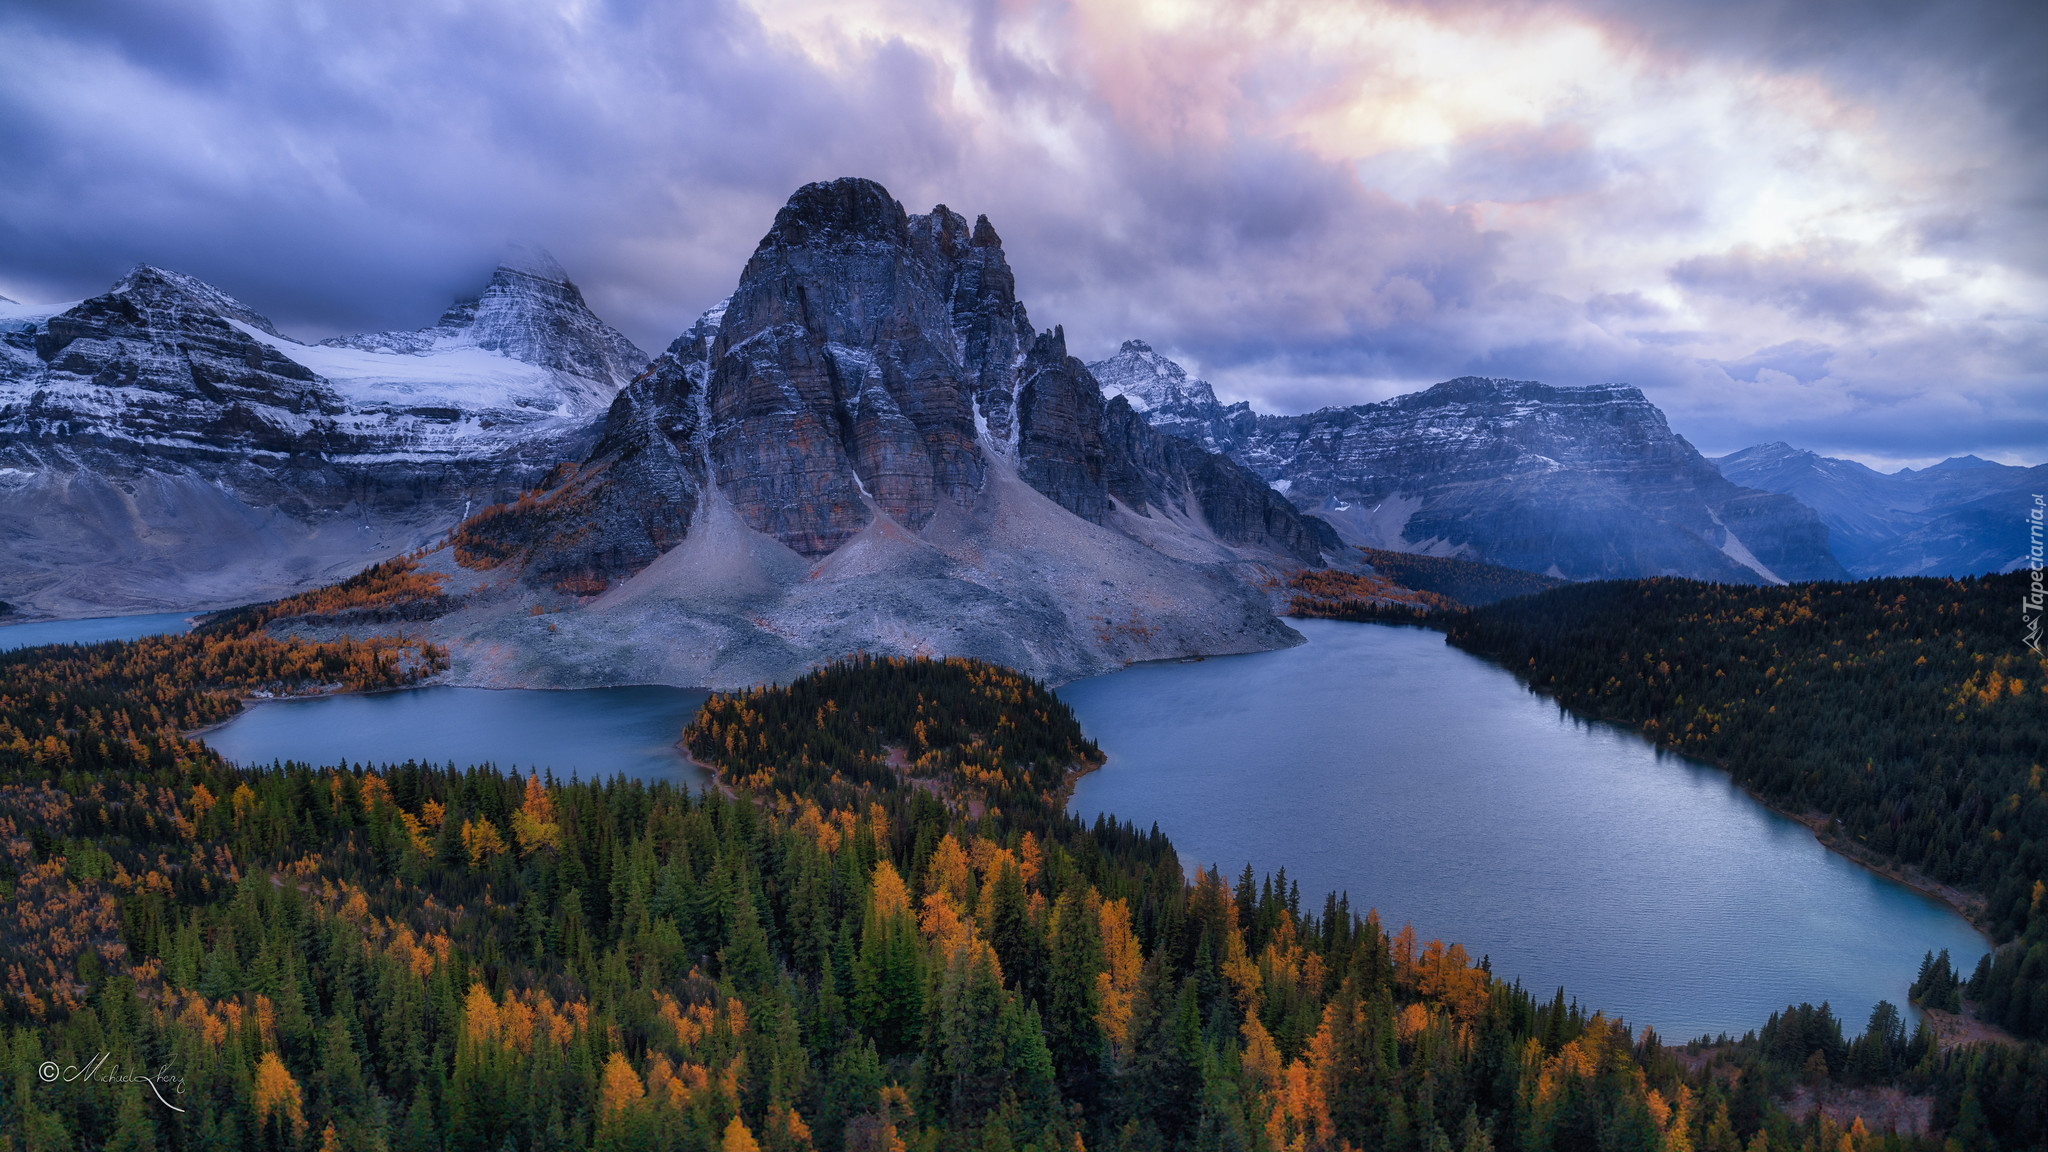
{"x": 1906, "y": 710}
{"x": 937, "y": 958}
{"x": 1465, "y": 582}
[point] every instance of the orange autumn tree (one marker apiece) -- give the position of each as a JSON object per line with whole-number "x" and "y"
{"x": 533, "y": 825}
{"x": 276, "y": 1096}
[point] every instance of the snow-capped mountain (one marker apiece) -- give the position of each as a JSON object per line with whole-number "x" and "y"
{"x": 1584, "y": 483}
{"x": 531, "y": 313}
{"x": 163, "y": 444}
{"x": 1171, "y": 400}
{"x": 1955, "y": 518}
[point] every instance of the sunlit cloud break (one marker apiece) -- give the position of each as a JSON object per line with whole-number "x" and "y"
{"x": 1815, "y": 223}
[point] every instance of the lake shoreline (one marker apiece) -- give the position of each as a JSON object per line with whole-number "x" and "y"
{"x": 1970, "y": 905}
{"x": 1425, "y": 782}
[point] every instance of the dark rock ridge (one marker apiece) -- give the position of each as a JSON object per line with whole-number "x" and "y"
{"x": 1152, "y": 470}
{"x": 837, "y": 388}
{"x": 164, "y": 445}
{"x": 631, "y": 500}
{"x": 1955, "y": 518}
{"x": 1583, "y": 483}
{"x": 1059, "y": 430}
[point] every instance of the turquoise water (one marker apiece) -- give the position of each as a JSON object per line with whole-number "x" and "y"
{"x": 595, "y": 732}
{"x": 1372, "y": 760}
{"x": 1430, "y": 784}
{"x": 92, "y": 631}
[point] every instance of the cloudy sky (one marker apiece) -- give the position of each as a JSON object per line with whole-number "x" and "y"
{"x": 1821, "y": 221}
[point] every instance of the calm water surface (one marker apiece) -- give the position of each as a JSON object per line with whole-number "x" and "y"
{"x": 1373, "y": 760}
{"x": 93, "y": 631}
{"x": 594, "y": 732}
{"x": 1382, "y": 762}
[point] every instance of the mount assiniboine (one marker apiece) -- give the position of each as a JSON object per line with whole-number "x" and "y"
{"x": 163, "y": 446}
{"x": 868, "y": 446}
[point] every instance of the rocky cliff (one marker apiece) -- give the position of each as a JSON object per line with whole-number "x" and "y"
{"x": 165, "y": 446}
{"x": 868, "y": 447}
{"x": 837, "y": 389}
{"x": 1583, "y": 483}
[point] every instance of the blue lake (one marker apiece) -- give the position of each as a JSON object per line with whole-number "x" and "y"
{"x": 595, "y": 732}
{"x": 93, "y": 631}
{"x": 1433, "y": 786}
{"x": 1373, "y": 760}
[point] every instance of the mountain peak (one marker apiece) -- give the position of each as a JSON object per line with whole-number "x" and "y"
{"x": 1961, "y": 463}
{"x": 532, "y": 260}
{"x": 156, "y": 287}
{"x": 1501, "y": 389}
{"x": 1760, "y": 455}
{"x": 850, "y": 209}
{"x": 530, "y": 311}
{"x": 1149, "y": 381}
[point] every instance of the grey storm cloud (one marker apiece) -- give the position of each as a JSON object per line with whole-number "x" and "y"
{"x": 354, "y": 166}
{"x": 1811, "y": 284}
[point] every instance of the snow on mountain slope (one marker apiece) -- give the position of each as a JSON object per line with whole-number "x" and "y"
{"x": 165, "y": 446}
{"x": 530, "y": 312}
{"x": 1586, "y": 483}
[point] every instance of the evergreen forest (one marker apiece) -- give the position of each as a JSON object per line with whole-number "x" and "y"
{"x": 1903, "y": 717}
{"x": 880, "y": 933}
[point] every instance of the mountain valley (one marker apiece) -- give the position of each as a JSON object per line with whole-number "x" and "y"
{"x": 1960, "y": 517}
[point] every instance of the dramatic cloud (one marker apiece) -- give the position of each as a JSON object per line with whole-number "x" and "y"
{"x": 1815, "y": 221}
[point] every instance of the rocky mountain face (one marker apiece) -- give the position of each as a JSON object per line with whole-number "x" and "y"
{"x": 1582, "y": 483}
{"x": 532, "y": 313}
{"x": 163, "y": 445}
{"x": 1172, "y": 402}
{"x": 868, "y": 446}
{"x": 1960, "y": 517}
{"x": 837, "y": 387}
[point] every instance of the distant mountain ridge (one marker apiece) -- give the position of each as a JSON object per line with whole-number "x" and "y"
{"x": 163, "y": 445}
{"x": 1963, "y": 516}
{"x": 1578, "y": 483}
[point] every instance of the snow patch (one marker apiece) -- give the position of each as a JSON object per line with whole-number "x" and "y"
{"x": 466, "y": 378}
{"x": 13, "y": 310}
{"x": 1736, "y": 550}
